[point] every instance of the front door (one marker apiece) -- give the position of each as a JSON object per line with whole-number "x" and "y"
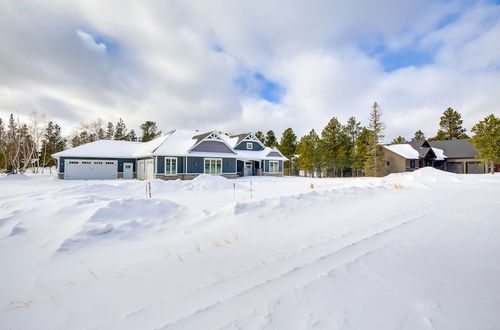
{"x": 248, "y": 168}
{"x": 128, "y": 170}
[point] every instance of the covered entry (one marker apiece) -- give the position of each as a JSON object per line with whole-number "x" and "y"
{"x": 81, "y": 169}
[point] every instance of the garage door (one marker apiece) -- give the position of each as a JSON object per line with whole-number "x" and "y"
{"x": 475, "y": 168}
{"x": 78, "y": 169}
{"x": 454, "y": 167}
{"x": 145, "y": 169}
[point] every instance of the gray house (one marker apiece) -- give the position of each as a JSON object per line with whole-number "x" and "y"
{"x": 457, "y": 156}
{"x": 180, "y": 154}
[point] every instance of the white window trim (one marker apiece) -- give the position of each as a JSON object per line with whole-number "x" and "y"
{"x": 165, "y": 165}
{"x": 277, "y": 167}
{"x": 213, "y": 159}
{"x": 250, "y": 144}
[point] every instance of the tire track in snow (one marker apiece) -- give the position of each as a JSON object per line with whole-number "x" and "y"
{"x": 284, "y": 274}
{"x": 315, "y": 262}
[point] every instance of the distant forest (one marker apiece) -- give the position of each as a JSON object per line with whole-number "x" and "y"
{"x": 340, "y": 150}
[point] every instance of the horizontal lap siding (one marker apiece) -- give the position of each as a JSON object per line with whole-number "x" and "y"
{"x": 228, "y": 165}
{"x": 121, "y": 161}
{"x": 195, "y": 165}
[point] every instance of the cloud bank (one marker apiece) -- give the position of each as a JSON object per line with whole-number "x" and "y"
{"x": 238, "y": 66}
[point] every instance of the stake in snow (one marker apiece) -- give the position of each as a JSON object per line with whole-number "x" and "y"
{"x": 416, "y": 250}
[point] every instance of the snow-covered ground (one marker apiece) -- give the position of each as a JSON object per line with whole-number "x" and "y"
{"x": 409, "y": 251}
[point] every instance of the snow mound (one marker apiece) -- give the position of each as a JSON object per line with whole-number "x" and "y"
{"x": 422, "y": 177}
{"x": 125, "y": 219}
{"x": 14, "y": 177}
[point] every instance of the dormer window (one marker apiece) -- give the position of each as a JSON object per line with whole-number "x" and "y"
{"x": 249, "y": 145}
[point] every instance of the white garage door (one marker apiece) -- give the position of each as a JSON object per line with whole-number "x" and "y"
{"x": 78, "y": 169}
{"x": 145, "y": 169}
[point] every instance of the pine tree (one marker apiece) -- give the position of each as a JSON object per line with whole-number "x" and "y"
{"x": 259, "y": 135}
{"x": 288, "y": 147}
{"x": 131, "y": 136}
{"x": 375, "y": 165}
{"x": 271, "y": 140}
{"x": 361, "y": 150}
{"x": 487, "y": 140}
{"x": 149, "y": 131}
{"x": 110, "y": 131}
{"x": 52, "y": 142}
{"x": 399, "y": 140}
{"x": 309, "y": 153}
{"x": 120, "y": 130}
{"x": 2, "y": 144}
{"x": 332, "y": 141}
{"x": 352, "y": 131}
{"x": 419, "y": 136}
{"x": 450, "y": 126}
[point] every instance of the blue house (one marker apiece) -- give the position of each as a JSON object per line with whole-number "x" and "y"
{"x": 180, "y": 154}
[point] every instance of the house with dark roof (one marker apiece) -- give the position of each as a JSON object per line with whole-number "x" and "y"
{"x": 457, "y": 156}
{"x": 179, "y": 154}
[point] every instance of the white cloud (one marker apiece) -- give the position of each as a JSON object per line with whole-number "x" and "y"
{"x": 90, "y": 43}
{"x": 165, "y": 67}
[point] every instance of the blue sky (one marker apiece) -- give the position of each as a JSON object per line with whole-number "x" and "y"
{"x": 248, "y": 66}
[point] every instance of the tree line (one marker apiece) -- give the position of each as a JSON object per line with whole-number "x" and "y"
{"x": 339, "y": 150}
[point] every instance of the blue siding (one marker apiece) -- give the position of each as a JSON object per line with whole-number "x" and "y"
{"x": 195, "y": 165}
{"x": 160, "y": 164}
{"x": 120, "y": 162}
{"x": 280, "y": 165}
{"x": 180, "y": 164}
{"x": 243, "y": 146}
{"x": 266, "y": 166}
{"x": 160, "y": 167}
{"x": 228, "y": 165}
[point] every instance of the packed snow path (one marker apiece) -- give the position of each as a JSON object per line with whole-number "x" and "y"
{"x": 411, "y": 251}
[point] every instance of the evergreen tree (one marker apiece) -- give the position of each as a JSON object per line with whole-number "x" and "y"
{"x": 149, "y": 131}
{"x": 487, "y": 140}
{"x": 259, "y": 135}
{"x": 120, "y": 130}
{"x": 352, "y": 131}
{"x": 375, "y": 165}
{"x": 110, "y": 132}
{"x": 131, "y": 136}
{"x": 450, "y": 126}
{"x": 419, "y": 136}
{"x": 271, "y": 140}
{"x": 309, "y": 153}
{"x": 288, "y": 147}
{"x": 399, "y": 140}
{"x": 332, "y": 140}
{"x": 361, "y": 150}
{"x": 52, "y": 142}
{"x": 2, "y": 144}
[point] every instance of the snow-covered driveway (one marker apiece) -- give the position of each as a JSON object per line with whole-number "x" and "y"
{"x": 412, "y": 251}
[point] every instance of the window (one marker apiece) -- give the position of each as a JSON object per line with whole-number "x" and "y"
{"x": 388, "y": 163}
{"x": 249, "y": 145}
{"x": 273, "y": 167}
{"x": 412, "y": 164}
{"x": 86, "y": 162}
{"x": 170, "y": 166}
{"x": 110, "y": 163}
{"x": 213, "y": 166}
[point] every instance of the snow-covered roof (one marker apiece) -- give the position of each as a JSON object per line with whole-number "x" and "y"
{"x": 439, "y": 153}
{"x": 174, "y": 143}
{"x": 404, "y": 150}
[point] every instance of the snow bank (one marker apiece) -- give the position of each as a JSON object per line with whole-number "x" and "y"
{"x": 422, "y": 177}
{"x": 125, "y": 219}
{"x": 14, "y": 177}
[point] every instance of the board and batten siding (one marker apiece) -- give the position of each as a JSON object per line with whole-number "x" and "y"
{"x": 196, "y": 165}
{"x": 160, "y": 164}
{"x": 243, "y": 146}
{"x": 266, "y": 165}
{"x": 120, "y": 161}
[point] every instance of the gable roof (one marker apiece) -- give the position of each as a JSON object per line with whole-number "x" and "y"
{"x": 174, "y": 143}
{"x": 404, "y": 150}
{"x": 459, "y": 148}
